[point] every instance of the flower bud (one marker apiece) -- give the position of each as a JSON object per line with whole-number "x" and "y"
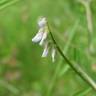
{"x": 38, "y": 36}
{"x": 46, "y": 50}
{"x": 42, "y": 22}
{"x": 53, "y": 54}
{"x": 43, "y": 38}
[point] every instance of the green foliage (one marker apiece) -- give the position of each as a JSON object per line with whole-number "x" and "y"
{"x": 22, "y": 70}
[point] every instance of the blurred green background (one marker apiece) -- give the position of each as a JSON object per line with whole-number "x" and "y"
{"x": 22, "y": 70}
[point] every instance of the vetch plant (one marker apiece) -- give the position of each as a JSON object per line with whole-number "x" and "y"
{"x": 46, "y": 39}
{"x": 42, "y": 38}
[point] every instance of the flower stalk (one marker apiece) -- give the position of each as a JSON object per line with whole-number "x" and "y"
{"x": 87, "y": 5}
{"x": 79, "y": 71}
{"x": 42, "y": 38}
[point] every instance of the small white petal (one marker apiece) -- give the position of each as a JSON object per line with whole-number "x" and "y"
{"x": 38, "y": 36}
{"x": 43, "y": 38}
{"x": 46, "y": 50}
{"x": 53, "y": 54}
{"x": 42, "y": 22}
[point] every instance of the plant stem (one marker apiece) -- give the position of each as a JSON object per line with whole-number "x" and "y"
{"x": 87, "y": 5}
{"x": 8, "y": 4}
{"x": 75, "y": 67}
{"x": 9, "y": 87}
{"x": 58, "y": 71}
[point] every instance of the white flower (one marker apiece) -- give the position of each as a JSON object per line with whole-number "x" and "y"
{"x": 46, "y": 50}
{"x": 41, "y": 36}
{"x": 44, "y": 36}
{"x": 53, "y": 54}
{"x": 38, "y": 36}
{"x": 42, "y": 22}
{"x": 47, "y": 46}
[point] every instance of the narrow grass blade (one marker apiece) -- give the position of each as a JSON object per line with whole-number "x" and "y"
{"x": 57, "y": 71}
{"x": 8, "y": 4}
{"x": 82, "y": 93}
{"x": 10, "y": 87}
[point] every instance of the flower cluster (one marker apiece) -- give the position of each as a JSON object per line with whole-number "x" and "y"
{"x": 42, "y": 38}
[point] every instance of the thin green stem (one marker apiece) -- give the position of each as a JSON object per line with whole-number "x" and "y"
{"x": 10, "y": 87}
{"x": 75, "y": 67}
{"x": 87, "y": 5}
{"x": 58, "y": 71}
{"x": 8, "y": 4}
{"x": 82, "y": 93}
